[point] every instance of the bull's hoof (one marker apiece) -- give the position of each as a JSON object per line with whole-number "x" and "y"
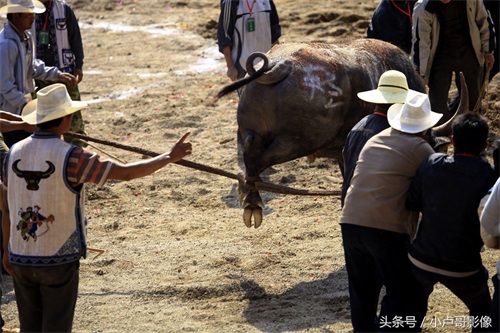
{"x": 248, "y": 212}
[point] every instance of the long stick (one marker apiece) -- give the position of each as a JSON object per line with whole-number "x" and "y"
{"x": 264, "y": 186}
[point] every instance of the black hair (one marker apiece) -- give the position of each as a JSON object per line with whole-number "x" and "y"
{"x": 50, "y": 124}
{"x": 470, "y": 132}
{"x": 9, "y": 17}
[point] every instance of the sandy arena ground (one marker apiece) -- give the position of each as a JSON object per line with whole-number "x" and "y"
{"x": 177, "y": 256}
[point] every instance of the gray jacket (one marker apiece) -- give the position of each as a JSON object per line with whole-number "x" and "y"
{"x": 425, "y": 33}
{"x": 18, "y": 69}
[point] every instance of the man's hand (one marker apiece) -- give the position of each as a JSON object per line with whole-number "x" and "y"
{"x": 79, "y": 74}
{"x": 6, "y": 263}
{"x": 232, "y": 73}
{"x": 489, "y": 60}
{"x": 180, "y": 149}
{"x": 68, "y": 79}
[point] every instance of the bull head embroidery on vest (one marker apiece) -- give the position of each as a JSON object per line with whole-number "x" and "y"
{"x": 33, "y": 177}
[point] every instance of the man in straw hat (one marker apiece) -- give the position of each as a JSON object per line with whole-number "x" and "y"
{"x": 44, "y": 177}
{"x": 392, "y": 88}
{"x": 447, "y": 190}
{"x": 374, "y": 221}
{"x": 18, "y": 68}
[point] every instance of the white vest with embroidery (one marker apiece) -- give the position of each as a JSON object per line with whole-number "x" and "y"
{"x": 66, "y": 56}
{"x": 47, "y": 225}
{"x": 258, "y": 40}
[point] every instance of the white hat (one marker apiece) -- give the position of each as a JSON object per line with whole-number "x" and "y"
{"x": 414, "y": 116}
{"x": 392, "y": 88}
{"x": 52, "y": 102}
{"x": 23, "y": 6}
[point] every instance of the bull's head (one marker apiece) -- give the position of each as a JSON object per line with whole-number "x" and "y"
{"x": 33, "y": 177}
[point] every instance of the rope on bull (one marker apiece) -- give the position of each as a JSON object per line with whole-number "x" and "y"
{"x": 259, "y": 185}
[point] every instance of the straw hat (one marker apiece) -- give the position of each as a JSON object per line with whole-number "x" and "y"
{"x": 414, "y": 116}
{"x": 23, "y": 6}
{"x": 52, "y": 102}
{"x": 392, "y": 88}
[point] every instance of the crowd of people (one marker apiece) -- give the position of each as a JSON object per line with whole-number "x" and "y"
{"x": 410, "y": 215}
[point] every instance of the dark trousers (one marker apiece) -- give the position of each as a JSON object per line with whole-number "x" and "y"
{"x": 472, "y": 290}
{"x": 374, "y": 258}
{"x": 441, "y": 74}
{"x": 46, "y": 296}
{"x": 495, "y": 305}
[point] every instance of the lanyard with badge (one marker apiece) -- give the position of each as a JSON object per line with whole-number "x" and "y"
{"x": 43, "y": 36}
{"x": 251, "y": 20}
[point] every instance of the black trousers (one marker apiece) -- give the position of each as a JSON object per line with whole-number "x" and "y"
{"x": 46, "y": 296}
{"x": 472, "y": 290}
{"x": 376, "y": 258}
{"x": 441, "y": 74}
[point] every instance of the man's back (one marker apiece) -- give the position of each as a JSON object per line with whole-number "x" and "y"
{"x": 447, "y": 190}
{"x": 381, "y": 179}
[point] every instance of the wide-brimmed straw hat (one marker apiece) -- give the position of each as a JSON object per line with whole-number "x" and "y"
{"x": 414, "y": 116}
{"x": 23, "y": 6}
{"x": 52, "y": 102}
{"x": 392, "y": 88}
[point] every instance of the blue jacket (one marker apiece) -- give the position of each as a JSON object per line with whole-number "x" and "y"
{"x": 18, "y": 69}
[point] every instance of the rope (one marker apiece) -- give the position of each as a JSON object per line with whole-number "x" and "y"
{"x": 259, "y": 185}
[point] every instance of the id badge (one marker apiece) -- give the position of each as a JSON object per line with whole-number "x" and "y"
{"x": 251, "y": 25}
{"x": 43, "y": 38}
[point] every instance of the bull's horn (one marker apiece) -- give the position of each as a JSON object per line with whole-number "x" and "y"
{"x": 445, "y": 129}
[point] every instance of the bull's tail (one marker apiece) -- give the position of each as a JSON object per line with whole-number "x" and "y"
{"x": 254, "y": 74}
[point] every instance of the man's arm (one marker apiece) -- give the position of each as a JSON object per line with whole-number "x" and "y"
{"x": 146, "y": 167}
{"x": 11, "y": 122}
{"x": 421, "y": 38}
{"x": 490, "y": 217}
{"x": 8, "y": 87}
{"x": 5, "y": 229}
{"x": 75, "y": 41}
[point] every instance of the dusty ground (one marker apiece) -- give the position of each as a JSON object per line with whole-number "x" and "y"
{"x": 177, "y": 254}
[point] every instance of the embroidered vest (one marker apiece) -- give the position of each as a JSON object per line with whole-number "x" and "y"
{"x": 252, "y": 36}
{"x": 47, "y": 225}
{"x": 58, "y": 19}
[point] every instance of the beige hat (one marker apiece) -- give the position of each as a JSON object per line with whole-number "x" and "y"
{"x": 414, "y": 116}
{"x": 392, "y": 88}
{"x": 23, "y": 6}
{"x": 52, "y": 102}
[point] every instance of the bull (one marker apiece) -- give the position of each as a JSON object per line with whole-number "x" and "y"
{"x": 303, "y": 101}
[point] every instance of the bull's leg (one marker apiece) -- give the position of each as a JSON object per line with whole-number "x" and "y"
{"x": 249, "y": 196}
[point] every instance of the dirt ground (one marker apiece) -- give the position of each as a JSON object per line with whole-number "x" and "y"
{"x": 177, "y": 256}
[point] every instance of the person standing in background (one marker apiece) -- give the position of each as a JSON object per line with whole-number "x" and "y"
{"x": 391, "y": 22}
{"x": 449, "y": 37}
{"x": 245, "y": 27}
{"x": 59, "y": 43}
{"x": 18, "y": 67}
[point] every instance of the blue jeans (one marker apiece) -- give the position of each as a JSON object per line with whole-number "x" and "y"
{"x": 376, "y": 258}
{"x": 472, "y": 290}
